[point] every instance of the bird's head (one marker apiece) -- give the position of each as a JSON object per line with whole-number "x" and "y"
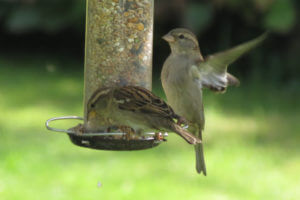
{"x": 182, "y": 41}
{"x": 98, "y": 103}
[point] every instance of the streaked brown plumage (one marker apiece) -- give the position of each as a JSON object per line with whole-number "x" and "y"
{"x": 135, "y": 107}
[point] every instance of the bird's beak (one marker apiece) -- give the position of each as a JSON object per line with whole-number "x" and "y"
{"x": 169, "y": 38}
{"x": 92, "y": 114}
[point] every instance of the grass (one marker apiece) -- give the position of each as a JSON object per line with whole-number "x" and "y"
{"x": 251, "y": 145}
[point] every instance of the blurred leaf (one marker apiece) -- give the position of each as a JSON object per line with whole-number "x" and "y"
{"x": 2, "y": 11}
{"x": 58, "y": 15}
{"x": 281, "y": 16}
{"x": 23, "y": 19}
{"x": 263, "y": 5}
{"x": 49, "y": 16}
{"x": 199, "y": 16}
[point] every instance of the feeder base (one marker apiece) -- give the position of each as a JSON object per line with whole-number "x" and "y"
{"x": 104, "y": 143}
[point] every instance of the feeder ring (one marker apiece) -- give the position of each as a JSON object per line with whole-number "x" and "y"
{"x": 72, "y": 132}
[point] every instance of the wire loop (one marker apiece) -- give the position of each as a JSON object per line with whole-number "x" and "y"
{"x": 72, "y": 132}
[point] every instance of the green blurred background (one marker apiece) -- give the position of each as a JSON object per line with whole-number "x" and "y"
{"x": 252, "y": 141}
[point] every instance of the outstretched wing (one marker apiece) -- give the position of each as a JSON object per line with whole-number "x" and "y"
{"x": 138, "y": 99}
{"x": 213, "y": 69}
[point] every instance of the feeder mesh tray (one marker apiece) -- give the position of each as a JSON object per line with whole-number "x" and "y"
{"x": 110, "y": 142}
{"x": 105, "y": 143}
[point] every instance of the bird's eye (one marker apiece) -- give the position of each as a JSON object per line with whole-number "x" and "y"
{"x": 92, "y": 105}
{"x": 181, "y": 36}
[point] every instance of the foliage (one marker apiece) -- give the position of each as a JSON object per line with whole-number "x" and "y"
{"x": 55, "y": 15}
{"x": 219, "y": 24}
{"x": 48, "y": 16}
{"x": 276, "y": 15}
{"x": 281, "y": 16}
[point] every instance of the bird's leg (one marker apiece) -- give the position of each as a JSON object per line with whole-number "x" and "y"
{"x": 129, "y": 132}
{"x": 182, "y": 122}
{"x": 108, "y": 130}
{"x": 159, "y": 136}
{"x": 112, "y": 129}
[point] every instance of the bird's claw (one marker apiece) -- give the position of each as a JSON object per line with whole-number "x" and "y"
{"x": 129, "y": 132}
{"x": 159, "y": 137}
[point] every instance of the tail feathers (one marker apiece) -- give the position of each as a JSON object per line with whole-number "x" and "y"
{"x": 191, "y": 139}
{"x": 232, "y": 80}
{"x": 200, "y": 162}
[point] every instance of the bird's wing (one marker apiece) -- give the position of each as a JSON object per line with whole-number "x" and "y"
{"x": 139, "y": 100}
{"x": 220, "y": 61}
{"x": 213, "y": 69}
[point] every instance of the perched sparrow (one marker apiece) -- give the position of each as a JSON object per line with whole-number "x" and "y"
{"x": 135, "y": 107}
{"x": 186, "y": 72}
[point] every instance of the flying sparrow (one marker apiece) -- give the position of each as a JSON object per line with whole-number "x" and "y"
{"x": 185, "y": 73}
{"x": 135, "y": 107}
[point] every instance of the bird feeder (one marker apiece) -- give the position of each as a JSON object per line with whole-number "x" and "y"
{"x": 118, "y": 52}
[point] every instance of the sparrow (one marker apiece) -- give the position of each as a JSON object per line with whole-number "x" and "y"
{"x": 135, "y": 107}
{"x": 186, "y": 72}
